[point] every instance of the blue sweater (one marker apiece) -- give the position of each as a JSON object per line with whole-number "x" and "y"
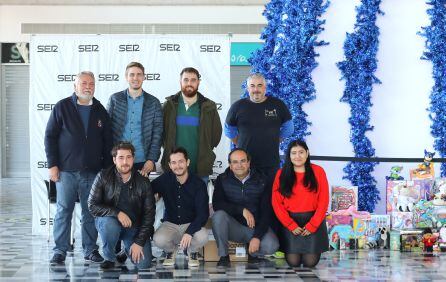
{"x": 151, "y": 122}
{"x": 66, "y": 145}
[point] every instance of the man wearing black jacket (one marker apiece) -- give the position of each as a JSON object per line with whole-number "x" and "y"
{"x": 242, "y": 204}
{"x": 122, "y": 202}
{"x": 78, "y": 141}
{"x": 187, "y": 209}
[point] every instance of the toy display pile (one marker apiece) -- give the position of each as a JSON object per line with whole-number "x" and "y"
{"x": 415, "y": 219}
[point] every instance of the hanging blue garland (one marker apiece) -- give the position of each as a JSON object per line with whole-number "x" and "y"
{"x": 358, "y": 68}
{"x": 288, "y": 56}
{"x": 436, "y": 53}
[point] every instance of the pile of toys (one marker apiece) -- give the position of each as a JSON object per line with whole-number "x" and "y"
{"x": 415, "y": 219}
{"x": 349, "y": 228}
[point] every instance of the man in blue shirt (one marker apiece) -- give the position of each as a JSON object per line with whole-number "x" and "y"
{"x": 187, "y": 210}
{"x": 136, "y": 117}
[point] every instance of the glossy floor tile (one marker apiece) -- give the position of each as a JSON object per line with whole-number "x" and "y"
{"x": 24, "y": 257}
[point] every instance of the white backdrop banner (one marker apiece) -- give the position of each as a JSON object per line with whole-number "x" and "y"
{"x": 55, "y": 60}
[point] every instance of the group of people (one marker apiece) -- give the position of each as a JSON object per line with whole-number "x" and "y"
{"x": 254, "y": 201}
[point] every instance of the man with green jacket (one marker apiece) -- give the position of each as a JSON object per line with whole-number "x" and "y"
{"x": 191, "y": 121}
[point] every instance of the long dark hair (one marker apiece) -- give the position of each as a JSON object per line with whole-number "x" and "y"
{"x": 288, "y": 176}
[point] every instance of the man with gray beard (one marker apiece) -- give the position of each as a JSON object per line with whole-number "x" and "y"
{"x": 78, "y": 141}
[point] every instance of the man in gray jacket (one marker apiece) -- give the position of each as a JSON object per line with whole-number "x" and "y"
{"x": 136, "y": 116}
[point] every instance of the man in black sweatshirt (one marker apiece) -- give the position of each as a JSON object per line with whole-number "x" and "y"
{"x": 187, "y": 209}
{"x": 242, "y": 204}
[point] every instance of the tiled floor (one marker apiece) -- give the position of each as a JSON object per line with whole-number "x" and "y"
{"x": 24, "y": 257}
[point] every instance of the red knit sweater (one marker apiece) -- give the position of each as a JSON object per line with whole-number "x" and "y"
{"x": 302, "y": 200}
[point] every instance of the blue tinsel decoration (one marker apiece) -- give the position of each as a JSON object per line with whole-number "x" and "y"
{"x": 288, "y": 56}
{"x": 358, "y": 68}
{"x": 435, "y": 51}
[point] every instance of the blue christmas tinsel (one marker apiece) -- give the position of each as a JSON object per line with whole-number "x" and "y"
{"x": 436, "y": 53}
{"x": 358, "y": 68}
{"x": 288, "y": 56}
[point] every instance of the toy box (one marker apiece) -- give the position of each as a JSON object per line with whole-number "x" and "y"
{"x": 359, "y": 226}
{"x": 395, "y": 240}
{"x": 402, "y": 220}
{"x": 411, "y": 241}
{"x": 339, "y": 237}
{"x": 342, "y": 198}
{"x": 403, "y": 195}
{"x": 439, "y": 216}
{"x": 335, "y": 219}
{"x": 373, "y": 229}
{"x": 423, "y": 214}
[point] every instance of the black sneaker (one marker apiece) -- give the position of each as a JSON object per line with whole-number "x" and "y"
{"x": 106, "y": 264}
{"x": 121, "y": 257}
{"x": 252, "y": 259}
{"x": 224, "y": 262}
{"x": 94, "y": 257}
{"x": 57, "y": 259}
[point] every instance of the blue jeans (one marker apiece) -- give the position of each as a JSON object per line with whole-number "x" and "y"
{"x": 69, "y": 186}
{"x": 111, "y": 231}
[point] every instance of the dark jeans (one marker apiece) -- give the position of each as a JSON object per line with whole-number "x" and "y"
{"x": 225, "y": 228}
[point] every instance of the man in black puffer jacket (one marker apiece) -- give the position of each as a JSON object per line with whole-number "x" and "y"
{"x": 122, "y": 202}
{"x": 242, "y": 204}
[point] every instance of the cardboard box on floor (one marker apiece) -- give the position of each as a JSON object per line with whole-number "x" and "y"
{"x": 237, "y": 251}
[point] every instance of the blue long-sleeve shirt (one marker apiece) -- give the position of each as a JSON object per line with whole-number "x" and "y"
{"x": 185, "y": 203}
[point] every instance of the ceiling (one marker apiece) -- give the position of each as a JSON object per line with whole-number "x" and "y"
{"x": 136, "y": 2}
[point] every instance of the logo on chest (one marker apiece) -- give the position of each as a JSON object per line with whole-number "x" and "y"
{"x": 270, "y": 113}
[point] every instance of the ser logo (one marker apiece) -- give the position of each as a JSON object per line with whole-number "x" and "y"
{"x": 218, "y": 164}
{"x": 129, "y": 48}
{"x": 45, "y": 107}
{"x": 170, "y": 47}
{"x": 108, "y": 77}
{"x": 152, "y": 76}
{"x": 66, "y": 77}
{"x": 47, "y": 48}
{"x": 44, "y": 220}
{"x": 88, "y": 48}
{"x": 210, "y": 48}
{"x": 42, "y": 164}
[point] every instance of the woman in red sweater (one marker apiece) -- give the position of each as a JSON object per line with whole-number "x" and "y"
{"x": 300, "y": 201}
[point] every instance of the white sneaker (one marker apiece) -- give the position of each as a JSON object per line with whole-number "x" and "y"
{"x": 193, "y": 260}
{"x": 169, "y": 260}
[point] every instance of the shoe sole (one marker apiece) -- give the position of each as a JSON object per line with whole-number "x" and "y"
{"x": 89, "y": 260}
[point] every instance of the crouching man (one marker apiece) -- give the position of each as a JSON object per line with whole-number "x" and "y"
{"x": 122, "y": 202}
{"x": 243, "y": 212}
{"x": 187, "y": 209}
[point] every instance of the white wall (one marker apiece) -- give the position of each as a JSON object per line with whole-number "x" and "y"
{"x": 402, "y": 128}
{"x": 11, "y": 17}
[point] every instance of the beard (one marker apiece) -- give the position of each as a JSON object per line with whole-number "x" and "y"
{"x": 189, "y": 91}
{"x": 85, "y": 96}
{"x": 180, "y": 172}
{"x": 124, "y": 169}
